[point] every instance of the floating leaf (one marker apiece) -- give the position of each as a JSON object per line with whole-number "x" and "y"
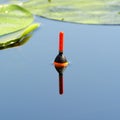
{"x": 17, "y": 38}
{"x": 79, "y": 11}
{"x": 13, "y": 18}
{"x": 21, "y": 41}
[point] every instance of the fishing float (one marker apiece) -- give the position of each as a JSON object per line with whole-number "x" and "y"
{"x": 61, "y": 62}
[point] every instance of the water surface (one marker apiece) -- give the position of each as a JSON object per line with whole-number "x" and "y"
{"x": 29, "y": 82}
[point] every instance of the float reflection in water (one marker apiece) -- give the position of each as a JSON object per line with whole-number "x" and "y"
{"x": 60, "y": 62}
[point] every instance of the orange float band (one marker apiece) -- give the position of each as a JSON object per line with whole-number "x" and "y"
{"x": 60, "y": 64}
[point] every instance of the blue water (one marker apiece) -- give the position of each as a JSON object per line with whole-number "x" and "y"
{"x": 29, "y": 82}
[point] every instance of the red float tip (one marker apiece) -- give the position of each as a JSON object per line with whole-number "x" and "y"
{"x": 61, "y": 41}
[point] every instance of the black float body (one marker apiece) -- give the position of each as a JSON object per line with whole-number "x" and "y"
{"x": 60, "y": 58}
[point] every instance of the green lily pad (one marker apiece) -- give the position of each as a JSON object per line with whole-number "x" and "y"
{"x": 20, "y": 42}
{"x": 17, "y": 38}
{"x": 78, "y": 11}
{"x": 13, "y": 18}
